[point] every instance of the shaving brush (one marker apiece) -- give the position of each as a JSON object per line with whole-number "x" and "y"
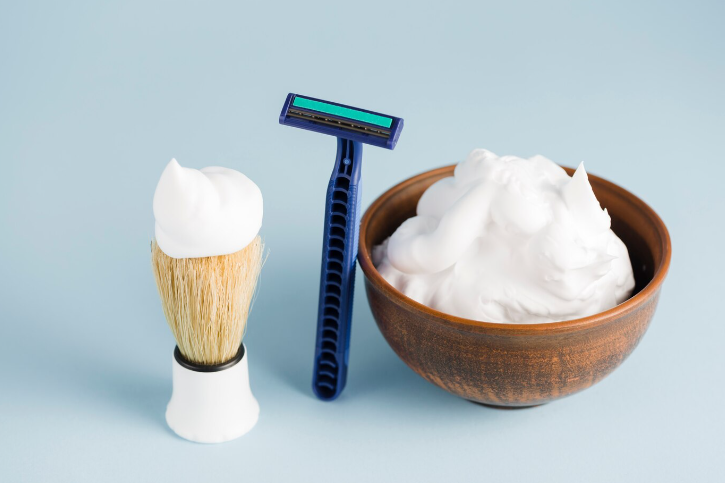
{"x": 206, "y": 302}
{"x": 206, "y": 259}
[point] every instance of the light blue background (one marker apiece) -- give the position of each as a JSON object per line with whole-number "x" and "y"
{"x": 95, "y": 99}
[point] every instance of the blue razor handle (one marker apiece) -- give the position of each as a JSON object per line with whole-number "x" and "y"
{"x": 337, "y": 278}
{"x": 353, "y": 127}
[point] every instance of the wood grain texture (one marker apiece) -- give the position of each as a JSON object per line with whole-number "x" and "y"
{"x": 516, "y": 365}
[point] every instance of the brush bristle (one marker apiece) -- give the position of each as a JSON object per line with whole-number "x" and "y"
{"x": 206, "y": 301}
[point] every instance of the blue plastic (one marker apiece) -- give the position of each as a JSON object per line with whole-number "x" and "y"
{"x": 340, "y": 244}
{"x": 337, "y": 277}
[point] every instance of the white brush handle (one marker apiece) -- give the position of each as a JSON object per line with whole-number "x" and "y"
{"x": 212, "y": 407}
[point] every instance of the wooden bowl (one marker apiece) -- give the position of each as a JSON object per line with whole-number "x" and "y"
{"x": 516, "y": 365}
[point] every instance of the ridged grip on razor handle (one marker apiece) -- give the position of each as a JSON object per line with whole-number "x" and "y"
{"x": 337, "y": 279}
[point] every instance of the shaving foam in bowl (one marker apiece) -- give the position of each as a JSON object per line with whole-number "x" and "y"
{"x": 515, "y": 364}
{"x": 507, "y": 239}
{"x": 207, "y": 212}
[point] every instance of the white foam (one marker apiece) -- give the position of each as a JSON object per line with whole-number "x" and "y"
{"x": 207, "y": 212}
{"x": 512, "y": 240}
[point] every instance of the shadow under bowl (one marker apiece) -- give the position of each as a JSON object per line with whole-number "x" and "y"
{"x": 516, "y": 365}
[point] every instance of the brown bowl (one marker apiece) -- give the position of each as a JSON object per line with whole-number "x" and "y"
{"x": 516, "y": 365}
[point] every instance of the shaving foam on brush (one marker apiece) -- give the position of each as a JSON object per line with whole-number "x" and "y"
{"x": 206, "y": 260}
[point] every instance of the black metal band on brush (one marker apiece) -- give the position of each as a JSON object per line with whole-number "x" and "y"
{"x": 208, "y": 368}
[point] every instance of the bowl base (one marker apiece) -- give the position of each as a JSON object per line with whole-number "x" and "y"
{"x": 493, "y": 406}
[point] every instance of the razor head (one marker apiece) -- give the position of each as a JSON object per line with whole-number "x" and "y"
{"x": 341, "y": 121}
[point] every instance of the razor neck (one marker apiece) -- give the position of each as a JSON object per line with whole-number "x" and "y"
{"x": 347, "y": 163}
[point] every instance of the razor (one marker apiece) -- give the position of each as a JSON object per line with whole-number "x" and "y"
{"x": 353, "y": 127}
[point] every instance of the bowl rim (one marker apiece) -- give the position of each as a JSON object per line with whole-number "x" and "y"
{"x": 373, "y": 276}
